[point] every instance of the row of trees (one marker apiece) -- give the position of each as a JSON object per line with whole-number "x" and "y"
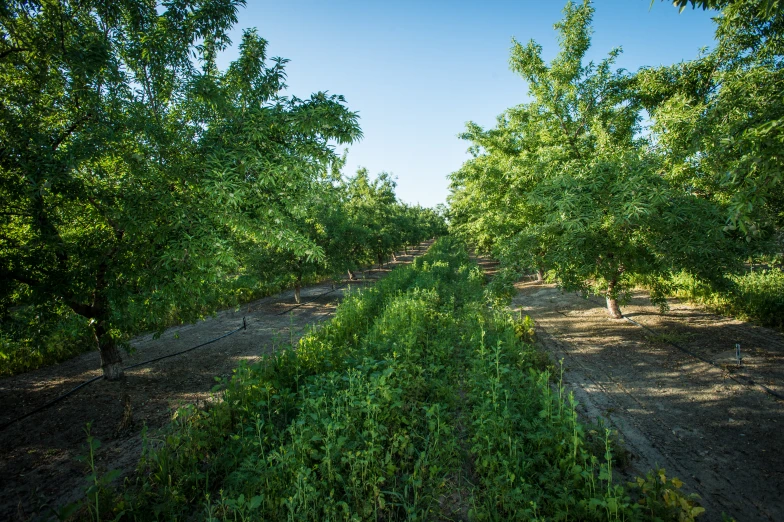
{"x": 138, "y": 181}
{"x": 354, "y": 221}
{"x": 608, "y": 179}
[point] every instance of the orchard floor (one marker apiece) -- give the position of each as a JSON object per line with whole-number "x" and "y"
{"x": 723, "y": 439}
{"x": 39, "y": 469}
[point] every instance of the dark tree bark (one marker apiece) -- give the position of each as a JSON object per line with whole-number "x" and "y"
{"x": 98, "y": 313}
{"x": 297, "y": 288}
{"x": 111, "y": 359}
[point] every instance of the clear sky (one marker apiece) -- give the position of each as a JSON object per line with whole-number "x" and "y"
{"x": 417, "y": 71}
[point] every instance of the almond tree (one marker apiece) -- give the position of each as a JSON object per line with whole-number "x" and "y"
{"x": 136, "y": 178}
{"x": 372, "y": 203}
{"x": 719, "y": 119}
{"x": 585, "y": 191}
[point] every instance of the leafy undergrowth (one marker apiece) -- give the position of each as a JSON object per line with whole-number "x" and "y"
{"x": 34, "y": 336}
{"x": 375, "y": 415}
{"x": 755, "y": 296}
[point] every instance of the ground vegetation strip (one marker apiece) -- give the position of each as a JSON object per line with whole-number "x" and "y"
{"x": 417, "y": 401}
{"x": 668, "y": 177}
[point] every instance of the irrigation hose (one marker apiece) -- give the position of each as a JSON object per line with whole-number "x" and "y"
{"x": 320, "y": 295}
{"x": 739, "y": 378}
{"x": 744, "y": 381}
{"x": 90, "y": 381}
{"x": 53, "y": 401}
{"x": 310, "y": 301}
{"x": 243, "y": 327}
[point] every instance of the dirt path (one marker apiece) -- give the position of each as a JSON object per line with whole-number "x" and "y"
{"x": 722, "y": 438}
{"x": 38, "y": 466}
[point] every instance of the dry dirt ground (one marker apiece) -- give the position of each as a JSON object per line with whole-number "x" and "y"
{"x": 722, "y": 438}
{"x": 38, "y": 466}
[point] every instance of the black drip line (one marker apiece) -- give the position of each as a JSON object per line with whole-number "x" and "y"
{"x": 90, "y": 381}
{"x": 745, "y": 381}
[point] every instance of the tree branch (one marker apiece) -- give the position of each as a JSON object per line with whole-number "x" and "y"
{"x": 21, "y": 278}
{"x": 569, "y": 138}
{"x": 118, "y": 231}
{"x": 84, "y": 310}
{"x": 11, "y": 50}
{"x": 70, "y": 130}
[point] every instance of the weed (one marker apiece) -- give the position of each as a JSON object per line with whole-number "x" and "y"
{"x": 669, "y": 338}
{"x": 661, "y": 498}
{"x": 755, "y": 296}
{"x": 99, "y": 496}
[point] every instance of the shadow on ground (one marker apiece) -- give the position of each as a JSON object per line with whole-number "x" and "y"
{"x": 721, "y": 437}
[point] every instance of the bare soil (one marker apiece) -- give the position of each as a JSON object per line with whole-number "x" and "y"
{"x": 39, "y": 469}
{"x": 671, "y": 409}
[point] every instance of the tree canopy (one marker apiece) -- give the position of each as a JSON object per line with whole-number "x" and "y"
{"x": 571, "y": 183}
{"x": 137, "y": 180}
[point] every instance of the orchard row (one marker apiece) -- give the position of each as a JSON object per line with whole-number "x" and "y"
{"x": 141, "y": 186}
{"x": 419, "y": 400}
{"x": 669, "y": 177}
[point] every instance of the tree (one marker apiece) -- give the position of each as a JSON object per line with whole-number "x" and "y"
{"x": 719, "y": 119}
{"x": 583, "y": 187}
{"x": 418, "y": 224}
{"x": 504, "y": 170}
{"x": 764, "y": 8}
{"x": 372, "y": 204}
{"x": 135, "y": 178}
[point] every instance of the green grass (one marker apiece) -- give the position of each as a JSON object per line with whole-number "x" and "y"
{"x": 755, "y": 296}
{"x": 417, "y": 390}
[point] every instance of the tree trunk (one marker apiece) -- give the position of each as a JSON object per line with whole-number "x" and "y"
{"x": 380, "y": 261}
{"x": 394, "y": 257}
{"x": 297, "y": 290}
{"x": 351, "y": 276}
{"x": 612, "y": 302}
{"x": 539, "y": 275}
{"x": 111, "y": 359}
{"x": 405, "y": 249}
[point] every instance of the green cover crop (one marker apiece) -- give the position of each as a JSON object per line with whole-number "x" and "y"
{"x": 418, "y": 401}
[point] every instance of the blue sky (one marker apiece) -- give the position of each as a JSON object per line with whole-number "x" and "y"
{"x": 418, "y": 71}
